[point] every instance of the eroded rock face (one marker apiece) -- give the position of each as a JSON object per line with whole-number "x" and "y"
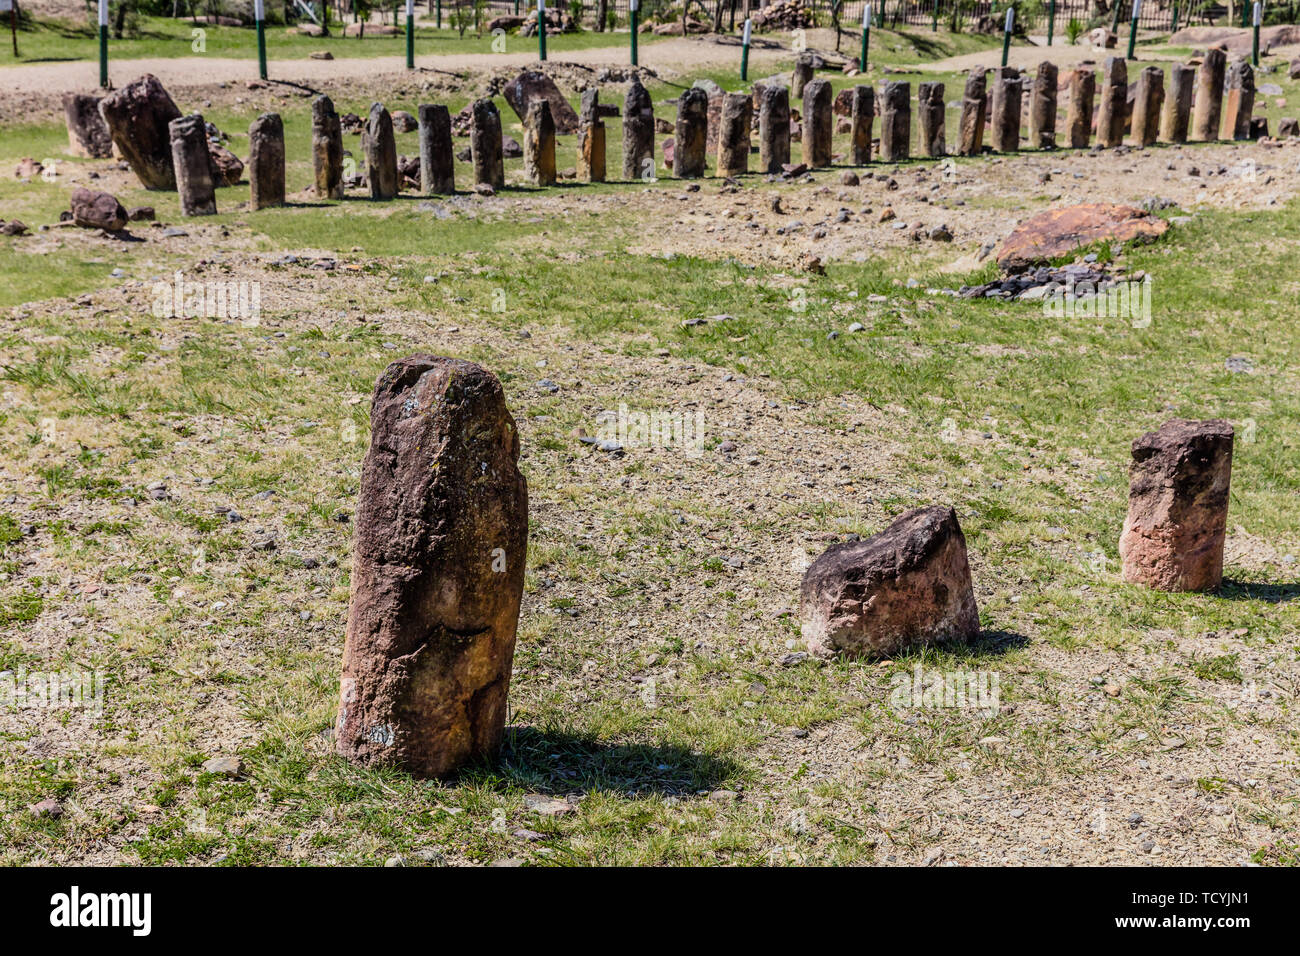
{"x": 1055, "y": 233}
{"x": 88, "y": 134}
{"x": 137, "y": 117}
{"x": 909, "y": 585}
{"x": 97, "y": 210}
{"x": 438, "y": 571}
{"x": 531, "y": 85}
{"x": 1178, "y": 506}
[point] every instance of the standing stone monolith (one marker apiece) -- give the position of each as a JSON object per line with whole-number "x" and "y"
{"x": 896, "y": 122}
{"x": 818, "y": 123}
{"x": 1042, "y": 107}
{"x": 437, "y": 572}
{"x": 1148, "y": 100}
{"x": 931, "y": 110}
{"x": 138, "y": 117}
{"x": 539, "y": 144}
{"x": 638, "y": 133}
{"x": 381, "y": 153}
{"x": 862, "y": 113}
{"x": 1005, "y": 124}
{"x": 88, "y": 134}
{"x": 1178, "y": 506}
{"x": 908, "y": 586}
{"x": 691, "y": 134}
{"x": 1178, "y": 104}
{"x": 1078, "y": 119}
{"x": 1112, "y": 114}
{"x": 774, "y": 129}
{"x": 971, "y": 137}
{"x": 326, "y": 148}
{"x": 266, "y": 161}
{"x": 802, "y": 75}
{"x": 437, "y": 156}
{"x": 733, "y": 134}
{"x": 1209, "y": 96}
{"x": 485, "y": 145}
{"x": 189, "y": 140}
{"x": 1241, "y": 100}
{"x": 591, "y": 139}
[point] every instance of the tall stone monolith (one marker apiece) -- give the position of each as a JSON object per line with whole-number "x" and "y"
{"x": 326, "y": 149}
{"x": 437, "y": 155}
{"x": 266, "y": 161}
{"x": 774, "y": 129}
{"x": 192, "y": 165}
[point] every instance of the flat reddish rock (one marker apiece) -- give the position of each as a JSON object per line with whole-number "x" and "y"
{"x": 1050, "y": 235}
{"x": 1178, "y": 506}
{"x": 909, "y": 585}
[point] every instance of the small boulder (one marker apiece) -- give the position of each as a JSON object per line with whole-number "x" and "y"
{"x": 404, "y": 122}
{"x": 530, "y": 85}
{"x": 97, "y": 210}
{"x": 1057, "y": 233}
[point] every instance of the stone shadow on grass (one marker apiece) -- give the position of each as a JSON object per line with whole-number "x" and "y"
{"x": 1233, "y": 589}
{"x": 560, "y": 763}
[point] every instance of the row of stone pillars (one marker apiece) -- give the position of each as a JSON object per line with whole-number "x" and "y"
{"x": 196, "y": 178}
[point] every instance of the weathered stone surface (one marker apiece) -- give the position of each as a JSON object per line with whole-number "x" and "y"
{"x": 227, "y": 168}
{"x": 485, "y": 145}
{"x": 437, "y": 159}
{"x": 1241, "y": 101}
{"x": 1178, "y": 506}
{"x": 88, "y": 134}
{"x": 1148, "y": 101}
{"x": 1178, "y": 104}
{"x": 1004, "y": 127}
{"x": 973, "y": 104}
{"x": 92, "y": 209}
{"x": 638, "y": 132}
{"x": 404, "y": 122}
{"x": 909, "y": 585}
{"x": 690, "y": 135}
{"x": 801, "y": 76}
{"x": 266, "y": 161}
{"x": 193, "y": 166}
{"x": 1112, "y": 114}
{"x": 1209, "y": 95}
{"x": 539, "y": 144}
{"x": 438, "y": 571}
{"x": 1042, "y": 107}
{"x": 591, "y": 139}
{"x": 896, "y": 122}
{"x": 380, "y": 148}
{"x": 733, "y": 135}
{"x": 1083, "y": 88}
{"x": 818, "y": 123}
{"x": 931, "y": 113}
{"x": 138, "y": 117}
{"x": 530, "y": 86}
{"x": 862, "y": 114}
{"x": 326, "y": 149}
{"x": 1058, "y": 232}
{"x": 1287, "y": 127}
{"x": 774, "y": 129}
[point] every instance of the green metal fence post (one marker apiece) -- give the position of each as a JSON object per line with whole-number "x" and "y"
{"x": 1006, "y": 33}
{"x": 633, "y": 6}
{"x": 744, "y": 53}
{"x": 541, "y": 29}
{"x": 103, "y": 44}
{"x": 1133, "y": 28}
{"x": 1254, "y": 42}
{"x": 866, "y": 36}
{"x": 1051, "y": 21}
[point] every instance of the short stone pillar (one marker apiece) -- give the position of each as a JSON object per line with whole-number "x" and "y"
{"x": 193, "y": 165}
{"x": 973, "y": 104}
{"x": 1178, "y": 104}
{"x": 1006, "y": 110}
{"x": 539, "y": 144}
{"x": 896, "y": 122}
{"x": 591, "y": 139}
{"x": 437, "y": 155}
{"x": 802, "y": 75}
{"x": 326, "y": 149}
{"x": 638, "y": 133}
{"x": 818, "y": 123}
{"x": 1078, "y": 119}
{"x": 1241, "y": 100}
{"x": 1178, "y": 506}
{"x": 862, "y": 114}
{"x": 908, "y": 586}
{"x": 138, "y": 117}
{"x": 774, "y": 129}
{"x": 931, "y": 110}
{"x": 733, "y": 134}
{"x": 1209, "y": 96}
{"x": 1112, "y": 114}
{"x": 691, "y": 134}
{"x": 437, "y": 572}
{"x": 380, "y": 147}
{"x": 266, "y": 161}
{"x": 1148, "y": 101}
{"x": 1042, "y": 107}
{"x": 485, "y": 145}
